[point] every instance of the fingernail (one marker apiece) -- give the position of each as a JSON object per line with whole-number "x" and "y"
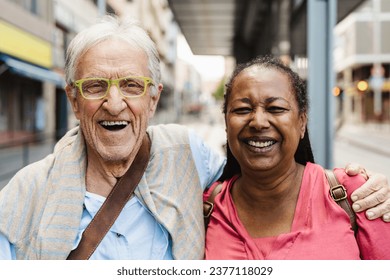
{"x": 369, "y": 215}
{"x": 356, "y": 207}
{"x": 386, "y": 217}
{"x": 354, "y": 198}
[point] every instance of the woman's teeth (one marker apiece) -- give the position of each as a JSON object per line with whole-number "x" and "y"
{"x": 260, "y": 144}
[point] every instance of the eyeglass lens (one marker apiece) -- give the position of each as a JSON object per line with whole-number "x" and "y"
{"x": 98, "y": 87}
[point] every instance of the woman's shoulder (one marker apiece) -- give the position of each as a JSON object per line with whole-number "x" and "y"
{"x": 351, "y": 183}
{"x": 217, "y": 187}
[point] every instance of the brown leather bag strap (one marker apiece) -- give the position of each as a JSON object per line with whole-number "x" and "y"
{"x": 339, "y": 195}
{"x": 112, "y": 206}
{"x": 208, "y": 205}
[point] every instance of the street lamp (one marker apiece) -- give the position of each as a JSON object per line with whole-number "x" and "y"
{"x": 336, "y": 91}
{"x": 362, "y": 86}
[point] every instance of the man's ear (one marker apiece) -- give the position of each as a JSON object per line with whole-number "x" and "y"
{"x": 154, "y": 101}
{"x": 70, "y": 93}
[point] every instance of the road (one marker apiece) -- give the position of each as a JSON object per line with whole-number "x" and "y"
{"x": 345, "y": 151}
{"x": 14, "y": 158}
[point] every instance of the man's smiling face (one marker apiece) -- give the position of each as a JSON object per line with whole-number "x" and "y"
{"x": 114, "y": 125}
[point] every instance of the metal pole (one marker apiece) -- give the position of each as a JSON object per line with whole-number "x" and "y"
{"x": 321, "y": 77}
{"x": 377, "y": 51}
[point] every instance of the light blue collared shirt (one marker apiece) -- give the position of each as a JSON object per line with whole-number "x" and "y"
{"x": 136, "y": 234}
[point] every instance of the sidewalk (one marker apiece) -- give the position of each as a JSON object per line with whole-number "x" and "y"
{"x": 370, "y": 136}
{"x": 13, "y": 158}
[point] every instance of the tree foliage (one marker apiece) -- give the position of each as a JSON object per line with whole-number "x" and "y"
{"x": 220, "y": 90}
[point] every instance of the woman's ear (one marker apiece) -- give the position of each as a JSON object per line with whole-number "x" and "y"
{"x": 303, "y": 124}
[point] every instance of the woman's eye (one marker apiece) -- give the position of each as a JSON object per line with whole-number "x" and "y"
{"x": 276, "y": 109}
{"x": 242, "y": 110}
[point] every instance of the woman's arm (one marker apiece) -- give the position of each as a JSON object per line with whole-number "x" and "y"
{"x": 371, "y": 236}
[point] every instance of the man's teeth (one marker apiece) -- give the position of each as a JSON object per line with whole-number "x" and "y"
{"x": 260, "y": 144}
{"x": 110, "y": 123}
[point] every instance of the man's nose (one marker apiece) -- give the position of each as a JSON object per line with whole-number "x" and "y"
{"x": 115, "y": 101}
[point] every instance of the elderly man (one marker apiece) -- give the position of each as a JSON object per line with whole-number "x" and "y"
{"x": 113, "y": 85}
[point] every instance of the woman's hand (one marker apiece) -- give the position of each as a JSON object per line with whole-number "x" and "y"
{"x": 373, "y": 196}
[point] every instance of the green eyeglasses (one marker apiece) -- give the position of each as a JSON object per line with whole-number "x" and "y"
{"x": 97, "y": 88}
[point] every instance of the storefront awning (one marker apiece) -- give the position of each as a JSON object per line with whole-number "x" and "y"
{"x": 32, "y": 71}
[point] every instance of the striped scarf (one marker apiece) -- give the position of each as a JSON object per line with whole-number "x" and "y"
{"x": 41, "y": 207}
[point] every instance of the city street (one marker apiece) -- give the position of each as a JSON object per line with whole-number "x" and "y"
{"x": 364, "y": 144}
{"x": 12, "y": 159}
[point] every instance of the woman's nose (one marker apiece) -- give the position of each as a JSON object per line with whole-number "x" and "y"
{"x": 259, "y": 119}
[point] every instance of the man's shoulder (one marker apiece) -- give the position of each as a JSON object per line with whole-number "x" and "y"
{"x": 68, "y": 139}
{"x": 168, "y": 134}
{"x": 170, "y": 127}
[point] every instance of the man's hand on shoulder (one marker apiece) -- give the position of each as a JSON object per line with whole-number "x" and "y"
{"x": 373, "y": 196}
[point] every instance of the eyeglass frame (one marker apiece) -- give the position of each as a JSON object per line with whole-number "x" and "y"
{"x": 78, "y": 83}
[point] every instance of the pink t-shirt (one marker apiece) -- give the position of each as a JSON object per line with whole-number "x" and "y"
{"x": 321, "y": 229}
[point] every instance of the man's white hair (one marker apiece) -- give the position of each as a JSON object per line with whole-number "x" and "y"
{"x": 109, "y": 27}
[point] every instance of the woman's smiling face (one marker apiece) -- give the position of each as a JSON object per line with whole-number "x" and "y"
{"x": 263, "y": 122}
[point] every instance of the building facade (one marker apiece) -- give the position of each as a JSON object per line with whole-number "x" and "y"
{"x": 157, "y": 18}
{"x": 33, "y": 39}
{"x": 362, "y": 63}
{"x": 29, "y": 82}
{"x": 34, "y": 36}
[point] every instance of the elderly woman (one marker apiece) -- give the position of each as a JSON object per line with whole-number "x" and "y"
{"x": 275, "y": 201}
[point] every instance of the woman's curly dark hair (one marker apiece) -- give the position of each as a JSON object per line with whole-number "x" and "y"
{"x": 304, "y": 152}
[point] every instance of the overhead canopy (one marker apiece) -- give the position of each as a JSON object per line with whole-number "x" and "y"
{"x": 32, "y": 71}
{"x": 246, "y": 28}
{"x": 207, "y": 25}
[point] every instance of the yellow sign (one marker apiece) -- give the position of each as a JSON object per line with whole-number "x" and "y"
{"x": 386, "y": 86}
{"x": 25, "y": 46}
